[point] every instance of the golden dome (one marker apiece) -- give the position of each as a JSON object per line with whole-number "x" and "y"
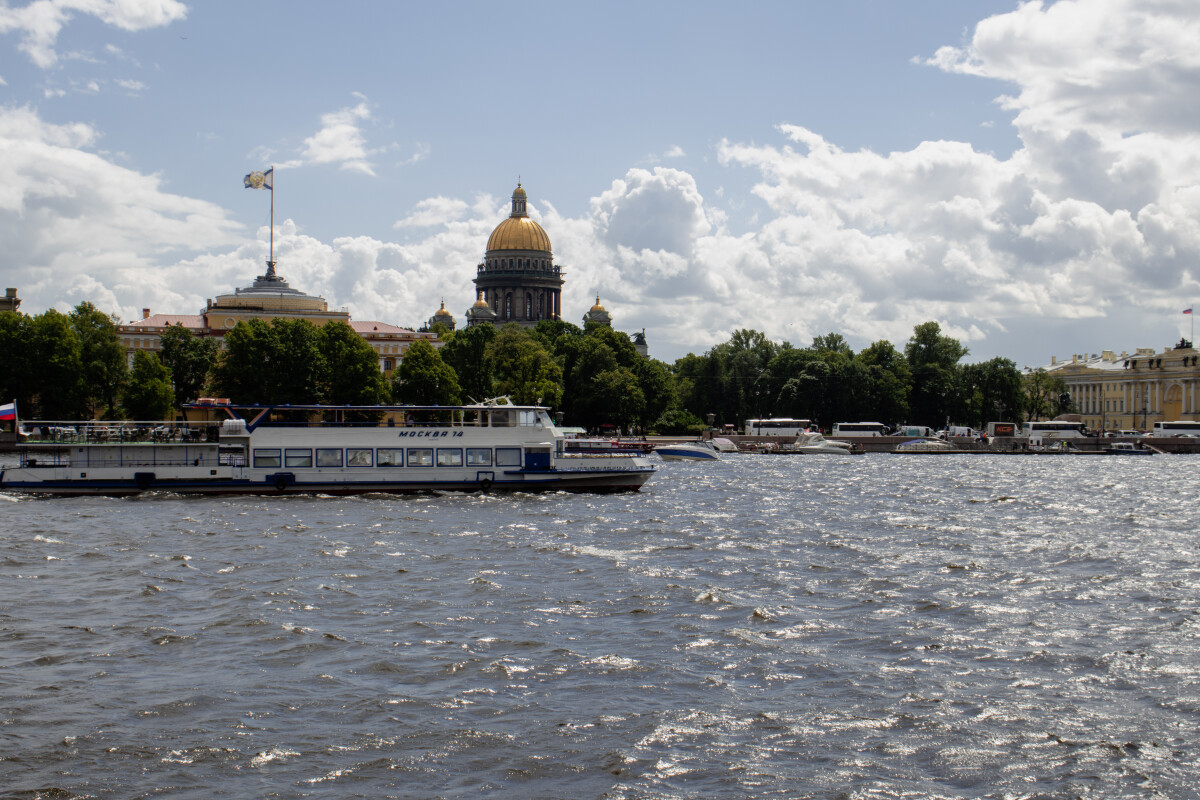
{"x": 442, "y": 312}
{"x": 519, "y": 232}
{"x": 598, "y": 307}
{"x": 481, "y": 303}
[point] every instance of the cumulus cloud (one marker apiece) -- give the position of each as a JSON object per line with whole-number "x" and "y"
{"x": 341, "y": 140}
{"x": 72, "y": 220}
{"x": 1097, "y": 213}
{"x": 40, "y": 22}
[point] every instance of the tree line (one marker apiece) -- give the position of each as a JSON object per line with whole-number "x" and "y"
{"x": 72, "y": 366}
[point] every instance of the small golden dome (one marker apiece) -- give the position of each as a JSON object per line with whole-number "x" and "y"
{"x": 519, "y": 190}
{"x": 598, "y": 307}
{"x": 442, "y": 312}
{"x": 481, "y": 303}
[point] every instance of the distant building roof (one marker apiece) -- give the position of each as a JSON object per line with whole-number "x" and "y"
{"x": 195, "y": 321}
{"x": 374, "y": 326}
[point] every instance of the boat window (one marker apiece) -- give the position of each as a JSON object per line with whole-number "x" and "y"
{"x": 297, "y": 458}
{"x": 329, "y": 457}
{"x": 420, "y": 457}
{"x": 503, "y": 417}
{"x": 508, "y": 456}
{"x": 479, "y": 456}
{"x": 266, "y": 458}
{"x": 358, "y": 456}
{"x": 389, "y": 457}
{"x": 449, "y": 457}
{"x": 528, "y": 418}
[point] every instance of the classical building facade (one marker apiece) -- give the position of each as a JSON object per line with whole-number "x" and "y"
{"x": 1133, "y": 390}
{"x": 518, "y": 279}
{"x": 269, "y": 297}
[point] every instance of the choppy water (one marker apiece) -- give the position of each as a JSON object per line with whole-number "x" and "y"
{"x": 870, "y": 627}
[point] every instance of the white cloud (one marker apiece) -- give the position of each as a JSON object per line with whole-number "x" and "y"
{"x": 40, "y": 22}
{"x": 1095, "y": 217}
{"x": 341, "y": 141}
{"x": 72, "y": 220}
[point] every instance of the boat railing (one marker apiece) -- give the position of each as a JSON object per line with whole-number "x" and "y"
{"x": 118, "y": 432}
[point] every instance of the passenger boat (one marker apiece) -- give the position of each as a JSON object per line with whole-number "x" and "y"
{"x": 687, "y": 451}
{"x": 1127, "y": 449}
{"x": 319, "y": 449}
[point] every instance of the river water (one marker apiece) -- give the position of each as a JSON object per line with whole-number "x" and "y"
{"x": 877, "y": 626}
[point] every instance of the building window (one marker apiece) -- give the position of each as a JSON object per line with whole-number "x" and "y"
{"x": 508, "y": 306}
{"x": 528, "y": 306}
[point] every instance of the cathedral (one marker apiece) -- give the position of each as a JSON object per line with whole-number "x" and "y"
{"x": 518, "y": 281}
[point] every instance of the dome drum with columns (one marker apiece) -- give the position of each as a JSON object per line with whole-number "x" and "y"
{"x": 518, "y": 279}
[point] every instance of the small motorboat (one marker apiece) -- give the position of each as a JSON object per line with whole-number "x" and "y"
{"x": 687, "y": 451}
{"x": 925, "y": 446}
{"x": 1127, "y": 449}
{"x": 816, "y": 444}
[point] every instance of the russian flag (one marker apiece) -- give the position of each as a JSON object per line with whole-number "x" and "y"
{"x": 8, "y": 411}
{"x": 1187, "y": 311}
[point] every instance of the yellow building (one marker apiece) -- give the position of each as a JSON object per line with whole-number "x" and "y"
{"x": 267, "y": 298}
{"x": 1132, "y": 391}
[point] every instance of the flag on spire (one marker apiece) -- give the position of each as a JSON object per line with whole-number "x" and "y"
{"x": 8, "y": 411}
{"x": 1187, "y": 311}
{"x": 261, "y": 180}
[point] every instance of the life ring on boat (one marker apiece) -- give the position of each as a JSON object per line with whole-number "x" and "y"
{"x": 485, "y": 485}
{"x": 281, "y": 483}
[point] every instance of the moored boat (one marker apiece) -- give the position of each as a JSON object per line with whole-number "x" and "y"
{"x": 812, "y": 443}
{"x": 1127, "y": 449}
{"x": 319, "y": 449}
{"x": 687, "y": 451}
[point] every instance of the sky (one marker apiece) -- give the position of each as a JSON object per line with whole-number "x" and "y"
{"x": 1025, "y": 174}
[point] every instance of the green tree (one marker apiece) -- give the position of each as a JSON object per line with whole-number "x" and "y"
{"x": 423, "y": 378}
{"x": 936, "y": 377}
{"x": 243, "y": 372}
{"x": 618, "y": 393}
{"x": 271, "y": 364}
{"x": 58, "y": 377}
{"x": 300, "y": 371}
{"x": 1042, "y": 394}
{"x": 657, "y": 387}
{"x": 148, "y": 394}
{"x": 466, "y": 351}
{"x": 189, "y": 359}
{"x": 524, "y": 369}
{"x": 352, "y": 375}
{"x": 889, "y": 379}
{"x": 101, "y": 354}
{"x": 993, "y": 391}
{"x": 17, "y": 380}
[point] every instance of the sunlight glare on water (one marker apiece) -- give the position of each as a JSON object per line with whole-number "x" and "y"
{"x": 876, "y": 626}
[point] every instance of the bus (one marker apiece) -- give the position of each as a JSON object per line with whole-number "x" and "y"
{"x": 860, "y": 429}
{"x": 1179, "y": 427}
{"x": 1055, "y": 429}
{"x": 777, "y": 426}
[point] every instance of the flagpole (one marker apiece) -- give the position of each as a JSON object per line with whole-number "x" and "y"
{"x": 271, "y": 262}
